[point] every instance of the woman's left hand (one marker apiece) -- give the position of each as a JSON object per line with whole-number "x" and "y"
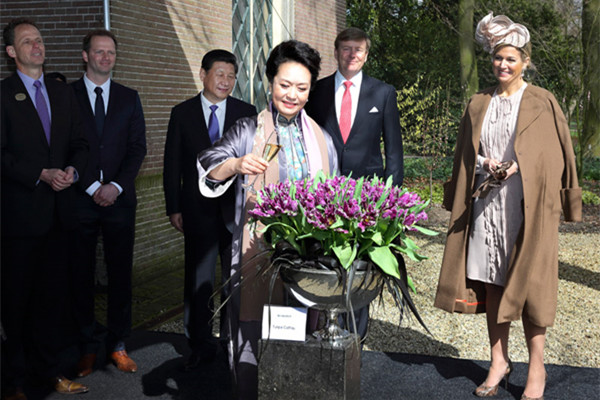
{"x": 512, "y": 170}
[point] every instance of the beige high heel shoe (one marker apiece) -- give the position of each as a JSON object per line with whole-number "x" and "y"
{"x": 488, "y": 391}
{"x": 523, "y": 397}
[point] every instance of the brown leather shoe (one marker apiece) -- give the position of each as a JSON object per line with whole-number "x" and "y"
{"x": 85, "y": 366}
{"x": 123, "y": 361}
{"x": 14, "y": 394}
{"x": 65, "y": 386}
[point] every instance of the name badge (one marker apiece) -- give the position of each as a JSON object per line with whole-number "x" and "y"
{"x": 284, "y": 323}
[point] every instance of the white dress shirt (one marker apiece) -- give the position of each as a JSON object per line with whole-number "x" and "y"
{"x": 90, "y": 87}
{"x": 220, "y": 112}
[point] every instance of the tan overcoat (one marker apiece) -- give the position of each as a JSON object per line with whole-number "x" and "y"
{"x": 547, "y": 163}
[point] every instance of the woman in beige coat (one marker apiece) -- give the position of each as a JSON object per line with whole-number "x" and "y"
{"x": 514, "y": 169}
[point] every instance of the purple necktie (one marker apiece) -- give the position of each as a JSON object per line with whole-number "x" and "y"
{"x": 42, "y": 109}
{"x": 213, "y": 124}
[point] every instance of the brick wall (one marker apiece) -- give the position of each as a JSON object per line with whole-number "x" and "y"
{"x": 161, "y": 44}
{"x": 62, "y": 24}
{"x": 318, "y": 23}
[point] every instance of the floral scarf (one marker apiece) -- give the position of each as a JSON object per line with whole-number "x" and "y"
{"x": 255, "y": 288}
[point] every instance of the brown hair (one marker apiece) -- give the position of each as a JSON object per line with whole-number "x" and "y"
{"x": 87, "y": 40}
{"x": 352, "y": 33}
{"x": 525, "y": 50}
{"x": 8, "y": 34}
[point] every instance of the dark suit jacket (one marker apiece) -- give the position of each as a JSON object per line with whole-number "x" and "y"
{"x": 187, "y": 136}
{"x": 29, "y": 205}
{"x": 120, "y": 150}
{"x": 377, "y": 116}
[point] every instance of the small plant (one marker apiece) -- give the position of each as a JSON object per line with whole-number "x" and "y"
{"x": 427, "y": 120}
{"x": 592, "y": 169}
{"x": 424, "y": 192}
{"x": 590, "y": 198}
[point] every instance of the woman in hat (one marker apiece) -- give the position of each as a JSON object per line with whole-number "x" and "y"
{"x": 514, "y": 168}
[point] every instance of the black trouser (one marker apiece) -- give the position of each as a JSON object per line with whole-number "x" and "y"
{"x": 117, "y": 225}
{"x": 35, "y": 289}
{"x": 201, "y": 250}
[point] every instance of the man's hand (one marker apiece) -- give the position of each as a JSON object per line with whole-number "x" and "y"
{"x": 56, "y": 178}
{"x": 106, "y": 195}
{"x": 177, "y": 221}
{"x": 70, "y": 171}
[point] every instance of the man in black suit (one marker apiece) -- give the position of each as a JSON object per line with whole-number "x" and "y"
{"x": 43, "y": 150}
{"x": 207, "y": 224}
{"x": 373, "y": 113}
{"x": 358, "y": 111}
{"x": 106, "y": 202}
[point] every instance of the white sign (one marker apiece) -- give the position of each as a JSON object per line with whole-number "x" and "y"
{"x": 286, "y": 323}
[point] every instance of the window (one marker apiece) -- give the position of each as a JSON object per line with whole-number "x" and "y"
{"x": 254, "y": 35}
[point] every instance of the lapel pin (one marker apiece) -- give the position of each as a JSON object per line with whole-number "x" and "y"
{"x": 20, "y": 96}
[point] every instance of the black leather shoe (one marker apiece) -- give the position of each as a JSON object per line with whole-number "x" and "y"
{"x": 199, "y": 358}
{"x": 14, "y": 393}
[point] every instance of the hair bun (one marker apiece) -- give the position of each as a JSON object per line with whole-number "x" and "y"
{"x": 494, "y": 31}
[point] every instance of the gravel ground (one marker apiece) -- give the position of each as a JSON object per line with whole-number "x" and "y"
{"x": 574, "y": 340}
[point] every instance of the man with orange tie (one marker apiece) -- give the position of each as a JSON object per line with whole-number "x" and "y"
{"x": 358, "y": 111}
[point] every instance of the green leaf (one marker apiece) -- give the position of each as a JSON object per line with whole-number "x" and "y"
{"x": 345, "y": 254}
{"x": 358, "y": 188}
{"x": 377, "y": 237}
{"x": 425, "y": 231}
{"x": 389, "y": 182}
{"x": 409, "y": 248}
{"x": 337, "y": 224}
{"x": 411, "y": 284}
{"x": 385, "y": 259}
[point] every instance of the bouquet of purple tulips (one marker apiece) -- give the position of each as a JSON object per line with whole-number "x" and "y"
{"x": 364, "y": 219}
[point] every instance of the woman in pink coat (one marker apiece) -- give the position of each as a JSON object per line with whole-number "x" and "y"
{"x": 514, "y": 168}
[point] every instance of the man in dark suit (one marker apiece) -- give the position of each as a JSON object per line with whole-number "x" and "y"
{"x": 207, "y": 224}
{"x": 358, "y": 111}
{"x": 43, "y": 150}
{"x": 115, "y": 128}
{"x": 372, "y": 114}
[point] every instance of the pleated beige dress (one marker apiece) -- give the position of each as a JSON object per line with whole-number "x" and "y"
{"x": 497, "y": 217}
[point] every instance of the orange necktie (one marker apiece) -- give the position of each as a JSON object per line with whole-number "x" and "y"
{"x": 346, "y": 112}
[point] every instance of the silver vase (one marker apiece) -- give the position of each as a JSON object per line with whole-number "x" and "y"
{"x": 324, "y": 290}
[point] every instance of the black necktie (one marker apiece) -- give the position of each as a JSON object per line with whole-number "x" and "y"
{"x": 99, "y": 111}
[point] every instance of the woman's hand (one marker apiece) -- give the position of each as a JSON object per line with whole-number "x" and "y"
{"x": 493, "y": 166}
{"x": 513, "y": 170}
{"x": 490, "y": 165}
{"x": 251, "y": 164}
